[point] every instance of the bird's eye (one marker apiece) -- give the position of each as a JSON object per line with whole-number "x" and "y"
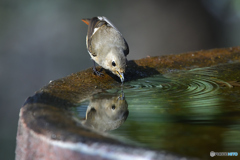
{"x": 113, "y": 107}
{"x": 113, "y": 64}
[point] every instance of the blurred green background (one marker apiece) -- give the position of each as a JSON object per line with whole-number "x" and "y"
{"x": 45, "y": 40}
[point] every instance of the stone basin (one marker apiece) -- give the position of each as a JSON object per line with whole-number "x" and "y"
{"x": 47, "y": 130}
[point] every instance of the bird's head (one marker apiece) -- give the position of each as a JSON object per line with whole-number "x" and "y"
{"x": 116, "y": 63}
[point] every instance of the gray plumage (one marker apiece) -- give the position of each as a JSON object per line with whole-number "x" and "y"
{"x": 106, "y": 45}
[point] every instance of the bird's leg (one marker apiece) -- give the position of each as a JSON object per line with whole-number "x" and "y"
{"x": 95, "y": 70}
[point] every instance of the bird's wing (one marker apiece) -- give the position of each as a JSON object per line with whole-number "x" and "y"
{"x": 94, "y": 25}
{"x": 109, "y": 23}
{"x": 126, "y": 50}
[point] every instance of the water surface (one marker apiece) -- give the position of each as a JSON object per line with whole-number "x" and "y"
{"x": 185, "y": 112}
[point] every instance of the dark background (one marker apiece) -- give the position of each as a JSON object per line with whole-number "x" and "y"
{"x": 45, "y": 40}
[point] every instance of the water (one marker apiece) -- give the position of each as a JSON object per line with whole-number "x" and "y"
{"x": 103, "y": 112}
{"x": 185, "y": 112}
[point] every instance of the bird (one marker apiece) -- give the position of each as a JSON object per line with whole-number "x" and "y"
{"x": 106, "y": 46}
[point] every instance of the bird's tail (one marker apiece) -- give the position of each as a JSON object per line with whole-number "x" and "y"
{"x": 87, "y": 21}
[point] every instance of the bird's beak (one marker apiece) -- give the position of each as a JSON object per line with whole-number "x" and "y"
{"x": 121, "y": 97}
{"x": 121, "y": 76}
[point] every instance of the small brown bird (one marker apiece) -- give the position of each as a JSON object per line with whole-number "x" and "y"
{"x": 106, "y": 46}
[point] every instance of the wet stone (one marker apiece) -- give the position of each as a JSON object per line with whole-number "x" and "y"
{"x": 170, "y": 106}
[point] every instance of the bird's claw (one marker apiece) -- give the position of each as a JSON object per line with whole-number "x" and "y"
{"x": 97, "y": 72}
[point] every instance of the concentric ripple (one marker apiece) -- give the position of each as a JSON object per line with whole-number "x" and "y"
{"x": 189, "y": 109}
{"x": 198, "y": 83}
{"x": 196, "y": 87}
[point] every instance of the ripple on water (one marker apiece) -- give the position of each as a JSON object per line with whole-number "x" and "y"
{"x": 193, "y": 88}
{"x": 176, "y": 109}
{"x": 184, "y": 112}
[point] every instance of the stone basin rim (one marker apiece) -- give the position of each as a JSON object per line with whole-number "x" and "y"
{"x": 105, "y": 150}
{"x": 63, "y": 89}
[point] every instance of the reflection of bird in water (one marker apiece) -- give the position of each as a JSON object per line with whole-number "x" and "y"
{"x": 106, "y": 112}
